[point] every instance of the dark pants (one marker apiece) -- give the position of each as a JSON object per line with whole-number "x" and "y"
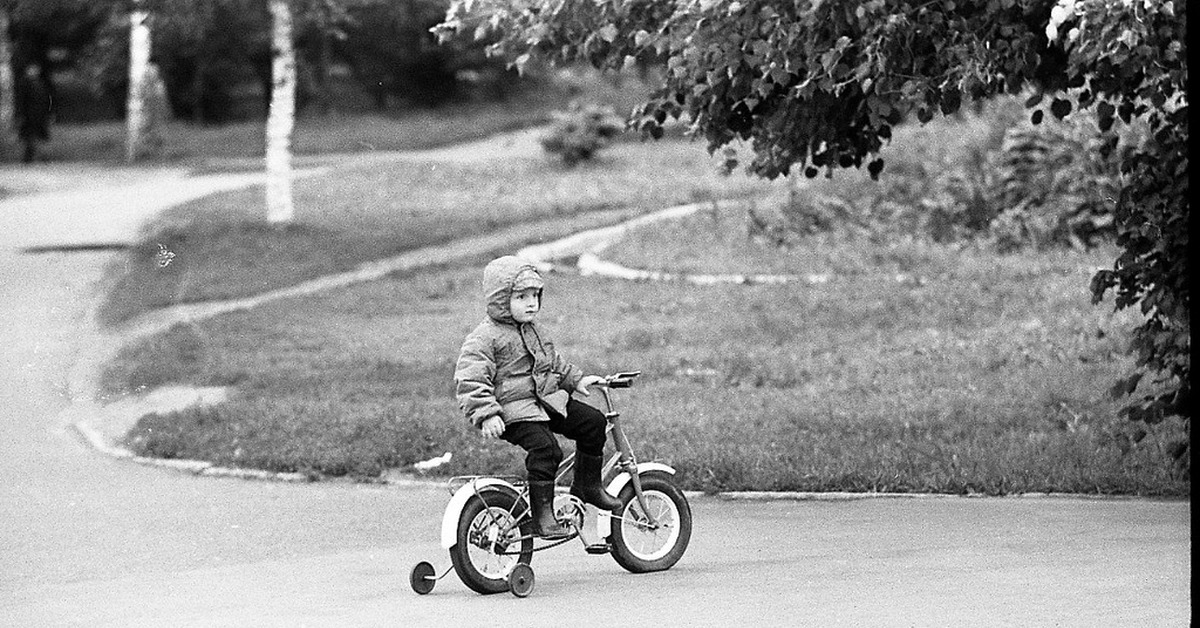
{"x": 31, "y": 149}
{"x": 583, "y": 424}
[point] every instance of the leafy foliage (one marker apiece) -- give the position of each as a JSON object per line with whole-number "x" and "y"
{"x": 580, "y": 132}
{"x": 810, "y": 84}
{"x": 207, "y": 50}
{"x": 1001, "y": 181}
{"x": 1131, "y": 60}
{"x": 215, "y": 55}
{"x": 818, "y": 85}
{"x": 1057, "y": 185}
{"x": 52, "y": 33}
{"x": 392, "y": 54}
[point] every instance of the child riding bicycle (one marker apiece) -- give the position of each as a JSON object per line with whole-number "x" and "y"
{"x": 512, "y": 384}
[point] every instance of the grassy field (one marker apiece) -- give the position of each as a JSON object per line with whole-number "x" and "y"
{"x": 914, "y": 368}
{"x": 988, "y": 378}
{"x": 224, "y": 249}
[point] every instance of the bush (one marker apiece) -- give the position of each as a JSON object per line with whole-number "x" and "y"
{"x": 1058, "y": 183}
{"x": 1002, "y": 181}
{"x": 581, "y": 131}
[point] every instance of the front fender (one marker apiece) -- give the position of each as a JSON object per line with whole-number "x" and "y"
{"x": 459, "y": 500}
{"x": 617, "y": 483}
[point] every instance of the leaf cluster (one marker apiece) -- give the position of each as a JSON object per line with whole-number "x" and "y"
{"x": 812, "y": 85}
{"x": 53, "y": 32}
{"x": 1131, "y": 60}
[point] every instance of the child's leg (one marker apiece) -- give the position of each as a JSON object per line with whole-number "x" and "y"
{"x": 583, "y": 424}
{"x": 587, "y": 427}
{"x": 542, "y": 451}
{"x": 541, "y": 463}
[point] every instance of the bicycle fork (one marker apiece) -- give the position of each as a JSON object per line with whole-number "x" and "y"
{"x": 627, "y": 462}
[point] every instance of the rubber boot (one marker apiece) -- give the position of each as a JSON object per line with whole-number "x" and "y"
{"x": 541, "y": 501}
{"x": 586, "y": 485}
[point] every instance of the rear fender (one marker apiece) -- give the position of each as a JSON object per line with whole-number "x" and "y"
{"x": 459, "y": 500}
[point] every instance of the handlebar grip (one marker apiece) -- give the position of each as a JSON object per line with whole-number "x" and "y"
{"x": 623, "y": 379}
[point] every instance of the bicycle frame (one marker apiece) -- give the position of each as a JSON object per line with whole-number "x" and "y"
{"x": 623, "y": 461}
{"x": 620, "y": 469}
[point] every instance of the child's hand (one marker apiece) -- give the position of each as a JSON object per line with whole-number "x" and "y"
{"x": 588, "y": 380}
{"x": 493, "y": 427}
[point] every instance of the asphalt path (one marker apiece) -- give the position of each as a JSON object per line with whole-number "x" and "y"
{"x": 89, "y": 540}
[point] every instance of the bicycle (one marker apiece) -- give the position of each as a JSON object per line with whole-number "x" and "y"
{"x": 487, "y": 525}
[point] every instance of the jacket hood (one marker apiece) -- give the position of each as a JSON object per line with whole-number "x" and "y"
{"x": 501, "y": 277}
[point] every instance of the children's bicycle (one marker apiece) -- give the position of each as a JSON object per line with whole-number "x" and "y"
{"x": 487, "y": 526}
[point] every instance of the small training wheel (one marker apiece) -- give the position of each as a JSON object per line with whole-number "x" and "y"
{"x": 422, "y": 578}
{"x": 520, "y": 581}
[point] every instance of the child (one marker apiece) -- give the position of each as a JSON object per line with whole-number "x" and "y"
{"x": 512, "y": 384}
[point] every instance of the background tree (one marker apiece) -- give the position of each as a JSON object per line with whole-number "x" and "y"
{"x": 817, "y": 85}
{"x": 395, "y": 58}
{"x": 8, "y": 136}
{"x": 281, "y": 119}
{"x": 54, "y": 33}
{"x": 208, "y": 49}
{"x": 50, "y": 33}
{"x": 1130, "y": 60}
{"x": 319, "y": 23}
{"x": 215, "y": 55}
{"x": 136, "y": 120}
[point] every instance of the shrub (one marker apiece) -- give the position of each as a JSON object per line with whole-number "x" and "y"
{"x": 578, "y": 133}
{"x": 1005, "y": 181}
{"x": 1057, "y": 183}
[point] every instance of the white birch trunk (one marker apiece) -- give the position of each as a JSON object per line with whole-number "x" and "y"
{"x": 281, "y": 116}
{"x": 136, "y": 121}
{"x": 8, "y": 103}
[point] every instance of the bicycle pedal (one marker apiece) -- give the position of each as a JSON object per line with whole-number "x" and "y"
{"x": 599, "y": 548}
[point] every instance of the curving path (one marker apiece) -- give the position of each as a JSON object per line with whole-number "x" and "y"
{"x": 90, "y": 540}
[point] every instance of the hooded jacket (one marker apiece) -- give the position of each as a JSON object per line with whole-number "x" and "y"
{"x": 506, "y": 368}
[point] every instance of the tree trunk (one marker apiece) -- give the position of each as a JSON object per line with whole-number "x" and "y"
{"x": 8, "y": 102}
{"x": 321, "y": 73}
{"x": 282, "y": 115}
{"x": 136, "y": 120}
{"x": 197, "y": 91}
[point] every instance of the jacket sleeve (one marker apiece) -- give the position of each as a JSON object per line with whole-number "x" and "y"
{"x": 570, "y": 374}
{"x": 474, "y": 380}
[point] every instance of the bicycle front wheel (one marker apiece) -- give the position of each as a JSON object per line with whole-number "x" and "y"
{"x": 493, "y": 537}
{"x": 638, "y": 545}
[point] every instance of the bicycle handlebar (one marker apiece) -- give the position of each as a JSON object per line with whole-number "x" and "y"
{"x": 620, "y": 380}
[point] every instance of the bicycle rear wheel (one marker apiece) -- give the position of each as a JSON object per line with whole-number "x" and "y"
{"x": 488, "y": 542}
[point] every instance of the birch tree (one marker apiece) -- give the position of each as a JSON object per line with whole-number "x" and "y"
{"x": 7, "y": 86}
{"x": 281, "y": 116}
{"x": 136, "y": 120}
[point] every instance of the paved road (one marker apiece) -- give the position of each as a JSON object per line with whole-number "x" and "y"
{"x": 86, "y": 540}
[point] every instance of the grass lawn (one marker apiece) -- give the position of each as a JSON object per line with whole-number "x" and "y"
{"x": 352, "y": 215}
{"x": 988, "y": 378}
{"x": 916, "y": 367}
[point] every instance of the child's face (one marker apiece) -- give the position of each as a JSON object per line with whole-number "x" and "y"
{"x": 524, "y": 305}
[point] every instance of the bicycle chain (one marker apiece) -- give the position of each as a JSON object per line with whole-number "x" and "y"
{"x": 574, "y": 535}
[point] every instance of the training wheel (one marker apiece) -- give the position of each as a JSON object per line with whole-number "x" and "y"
{"x": 520, "y": 581}
{"x": 422, "y": 578}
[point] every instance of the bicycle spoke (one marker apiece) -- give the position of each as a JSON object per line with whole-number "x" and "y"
{"x": 491, "y": 536}
{"x": 648, "y": 539}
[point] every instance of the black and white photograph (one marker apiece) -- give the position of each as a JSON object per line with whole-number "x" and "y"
{"x": 647, "y": 313}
